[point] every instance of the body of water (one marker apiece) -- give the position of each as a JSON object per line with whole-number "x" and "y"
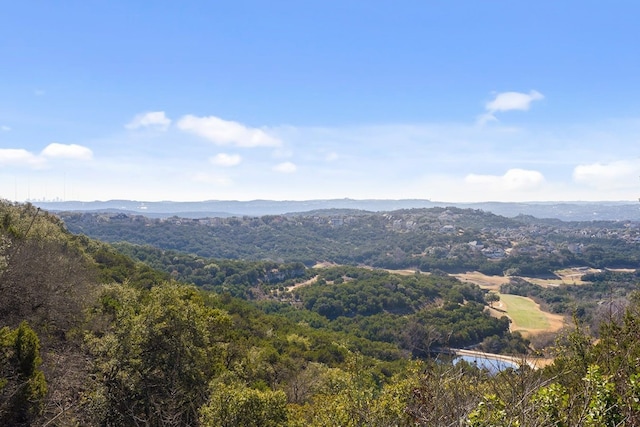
{"x": 491, "y": 365}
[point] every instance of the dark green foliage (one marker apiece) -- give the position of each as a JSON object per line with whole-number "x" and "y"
{"x": 158, "y": 356}
{"x": 448, "y": 239}
{"x": 349, "y": 291}
{"x": 249, "y": 280}
{"x": 22, "y": 383}
{"x": 413, "y": 312}
{"x": 334, "y": 350}
{"x": 237, "y": 405}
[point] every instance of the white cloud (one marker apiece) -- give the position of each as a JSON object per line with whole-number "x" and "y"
{"x": 225, "y": 132}
{"x": 67, "y": 151}
{"x": 18, "y": 156}
{"x": 5, "y": 128}
{"x": 226, "y": 160}
{"x": 154, "y": 119}
{"x": 508, "y": 101}
{"x": 400, "y": 160}
{"x": 512, "y": 180}
{"x": 22, "y": 157}
{"x": 286, "y": 167}
{"x": 607, "y": 176}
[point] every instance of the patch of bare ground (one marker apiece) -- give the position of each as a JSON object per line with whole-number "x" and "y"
{"x": 407, "y": 272}
{"x": 325, "y": 264}
{"x": 311, "y": 281}
{"x": 491, "y": 283}
{"x": 567, "y": 276}
{"x": 539, "y": 362}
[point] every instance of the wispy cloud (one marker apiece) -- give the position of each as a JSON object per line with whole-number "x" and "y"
{"x": 154, "y": 120}
{"x": 225, "y": 132}
{"x": 285, "y": 167}
{"x": 453, "y": 161}
{"x": 18, "y": 157}
{"x": 512, "y": 180}
{"x": 22, "y": 157}
{"x": 67, "y": 151}
{"x": 508, "y": 101}
{"x": 5, "y": 128}
{"x": 226, "y": 160}
{"x": 614, "y": 175}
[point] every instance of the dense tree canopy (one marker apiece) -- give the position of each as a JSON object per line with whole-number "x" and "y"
{"x": 91, "y": 336}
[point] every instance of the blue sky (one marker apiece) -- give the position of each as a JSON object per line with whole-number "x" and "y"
{"x": 292, "y": 100}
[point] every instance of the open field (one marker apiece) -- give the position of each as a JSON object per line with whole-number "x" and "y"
{"x": 567, "y": 276}
{"x": 491, "y": 283}
{"x": 407, "y": 272}
{"x": 524, "y": 312}
{"x": 526, "y": 316}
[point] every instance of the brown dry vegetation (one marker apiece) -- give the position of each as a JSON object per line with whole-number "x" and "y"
{"x": 491, "y": 283}
{"x": 311, "y": 281}
{"x": 567, "y": 276}
{"x": 407, "y": 272}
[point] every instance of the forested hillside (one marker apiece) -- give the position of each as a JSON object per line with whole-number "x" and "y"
{"x": 448, "y": 239}
{"x": 90, "y": 336}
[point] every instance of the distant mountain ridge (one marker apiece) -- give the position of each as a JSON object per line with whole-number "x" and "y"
{"x": 566, "y": 211}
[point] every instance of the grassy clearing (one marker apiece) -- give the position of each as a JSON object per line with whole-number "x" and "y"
{"x": 407, "y": 272}
{"x": 526, "y": 316}
{"x": 524, "y": 313}
{"x": 566, "y": 276}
